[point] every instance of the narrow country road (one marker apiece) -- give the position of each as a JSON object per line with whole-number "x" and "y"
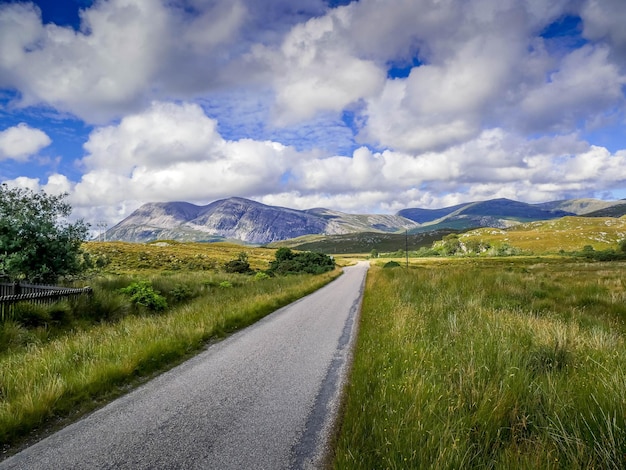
{"x": 264, "y": 398}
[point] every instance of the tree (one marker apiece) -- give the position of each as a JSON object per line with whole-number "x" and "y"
{"x": 37, "y": 242}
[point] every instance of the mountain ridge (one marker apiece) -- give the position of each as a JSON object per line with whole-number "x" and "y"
{"x": 249, "y": 221}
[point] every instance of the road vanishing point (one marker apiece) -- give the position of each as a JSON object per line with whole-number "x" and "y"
{"x": 266, "y": 397}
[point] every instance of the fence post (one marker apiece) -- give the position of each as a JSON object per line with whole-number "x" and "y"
{"x": 16, "y": 288}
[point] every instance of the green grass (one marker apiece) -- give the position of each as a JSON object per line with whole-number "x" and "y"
{"x": 489, "y": 364}
{"x": 52, "y": 376}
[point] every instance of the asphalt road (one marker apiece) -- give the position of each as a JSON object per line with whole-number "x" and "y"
{"x": 264, "y": 398}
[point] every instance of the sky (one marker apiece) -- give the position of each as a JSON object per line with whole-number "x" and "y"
{"x": 366, "y": 106}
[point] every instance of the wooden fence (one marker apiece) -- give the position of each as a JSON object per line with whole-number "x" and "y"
{"x": 13, "y": 293}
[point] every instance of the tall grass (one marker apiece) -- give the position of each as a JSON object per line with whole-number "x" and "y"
{"x": 494, "y": 365}
{"x": 45, "y": 380}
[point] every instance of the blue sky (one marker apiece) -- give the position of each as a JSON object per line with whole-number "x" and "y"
{"x": 361, "y": 106}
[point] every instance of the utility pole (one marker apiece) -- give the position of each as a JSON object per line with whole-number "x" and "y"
{"x": 406, "y": 246}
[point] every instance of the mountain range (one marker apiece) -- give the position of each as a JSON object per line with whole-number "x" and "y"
{"x": 252, "y": 222}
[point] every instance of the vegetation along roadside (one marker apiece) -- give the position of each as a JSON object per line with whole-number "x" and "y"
{"x": 59, "y": 361}
{"x": 489, "y": 363}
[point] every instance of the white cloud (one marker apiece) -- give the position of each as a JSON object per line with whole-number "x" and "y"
{"x": 604, "y": 20}
{"x": 101, "y": 69}
{"x": 126, "y": 53}
{"x": 173, "y": 152}
{"x": 586, "y": 85}
{"x": 315, "y": 71}
{"x": 21, "y": 142}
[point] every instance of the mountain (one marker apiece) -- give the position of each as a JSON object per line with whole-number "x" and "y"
{"x": 428, "y": 215}
{"x": 616, "y": 210}
{"x": 580, "y": 206}
{"x": 498, "y": 213}
{"x": 243, "y": 220}
{"x": 252, "y": 222}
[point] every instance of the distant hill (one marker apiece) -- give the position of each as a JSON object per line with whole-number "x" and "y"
{"x": 243, "y": 220}
{"x": 499, "y": 213}
{"x": 618, "y": 210}
{"x": 579, "y": 206}
{"x": 363, "y": 242}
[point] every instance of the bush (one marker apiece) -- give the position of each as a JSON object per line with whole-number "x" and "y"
{"x": 239, "y": 265}
{"x": 142, "y": 293}
{"x": 391, "y": 264}
{"x": 180, "y": 293}
{"x": 288, "y": 262}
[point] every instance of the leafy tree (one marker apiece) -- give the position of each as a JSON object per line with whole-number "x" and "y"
{"x": 37, "y": 243}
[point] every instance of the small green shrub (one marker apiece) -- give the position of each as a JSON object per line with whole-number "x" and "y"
{"x": 260, "y": 276}
{"x": 181, "y": 293}
{"x": 239, "y": 265}
{"x": 142, "y": 293}
{"x": 226, "y": 284}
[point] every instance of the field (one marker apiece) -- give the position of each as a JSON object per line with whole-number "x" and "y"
{"x": 124, "y": 258}
{"x": 489, "y": 363}
{"x": 57, "y": 363}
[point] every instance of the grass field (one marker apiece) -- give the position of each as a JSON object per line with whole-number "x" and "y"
{"x": 489, "y": 363}
{"x": 125, "y": 258}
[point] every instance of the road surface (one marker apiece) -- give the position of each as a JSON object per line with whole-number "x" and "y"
{"x": 264, "y": 398}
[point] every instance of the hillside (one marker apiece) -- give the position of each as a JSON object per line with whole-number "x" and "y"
{"x": 363, "y": 242}
{"x": 568, "y": 234}
{"x": 499, "y": 213}
{"x": 617, "y": 210}
{"x": 584, "y": 207}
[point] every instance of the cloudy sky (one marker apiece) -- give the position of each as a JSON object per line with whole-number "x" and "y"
{"x": 362, "y": 106}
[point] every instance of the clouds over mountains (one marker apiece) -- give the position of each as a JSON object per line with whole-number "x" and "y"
{"x": 438, "y": 101}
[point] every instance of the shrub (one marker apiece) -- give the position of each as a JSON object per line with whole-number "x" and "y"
{"x": 142, "y": 293}
{"x": 239, "y": 265}
{"x": 180, "y": 293}
{"x": 288, "y": 262}
{"x": 391, "y": 264}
